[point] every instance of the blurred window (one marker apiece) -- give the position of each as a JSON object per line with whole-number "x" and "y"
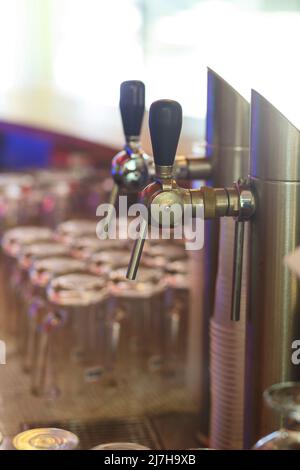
{"x": 85, "y": 48}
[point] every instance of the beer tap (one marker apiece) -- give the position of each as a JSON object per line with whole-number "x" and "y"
{"x": 165, "y": 121}
{"x": 131, "y": 166}
{"x": 132, "y": 169}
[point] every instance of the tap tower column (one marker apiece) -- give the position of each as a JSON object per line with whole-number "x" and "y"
{"x": 273, "y": 320}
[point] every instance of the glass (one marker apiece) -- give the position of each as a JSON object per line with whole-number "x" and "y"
{"x": 68, "y": 231}
{"x": 172, "y": 258}
{"x": 27, "y": 256}
{"x": 104, "y": 262}
{"x": 120, "y": 446}
{"x": 177, "y": 308}
{"x": 71, "y": 336}
{"x": 200, "y": 448}
{"x": 12, "y": 242}
{"x": 84, "y": 247}
{"x": 17, "y": 237}
{"x": 17, "y": 204}
{"x": 138, "y": 324}
{"x": 59, "y": 193}
{"x": 156, "y": 254}
{"x": 97, "y": 191}
{"x": 45, "y": 439}
{"x": 40, "y": 274}
{"x": 284, "y": 398}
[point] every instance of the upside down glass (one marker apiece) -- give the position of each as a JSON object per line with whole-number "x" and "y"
{"x": 72, "y": 229}
{"x": 172, "y": 258}
{"x": 45, "y": 439}
{"x": 28, "y": 254}
{"x": 60, "y": 194}
{"x": 140, "y": 314}
{"x": 40, "y": 274}
{"x": 71, "y": 336}
{"x": 120, "y": 446}
{"x": 17, "y": 202}
{"x": 12, "y": 242}
{"x": 283, "y": 398}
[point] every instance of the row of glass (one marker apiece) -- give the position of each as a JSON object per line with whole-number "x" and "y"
{"x": 75, "y": 319}
{"x": 74, "y": 314}
{"x": 50, "y": 196}
{"x": 59, "y": 439}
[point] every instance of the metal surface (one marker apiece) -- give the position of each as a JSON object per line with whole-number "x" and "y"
{"x": 273, "y": 320}
{"x": 112, "y": 201}
{"x": 227, "y": 145}
{"x": 227, "y": 149}
{"x": 275, "y": 143}
{"x": 192, "y": 168}
{"x": 237, "y": 269}
{"x": 137, "y": 252}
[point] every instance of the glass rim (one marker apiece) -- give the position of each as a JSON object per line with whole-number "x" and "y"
{"x": 120, "y": 446}
{"x": 274, "y": 393}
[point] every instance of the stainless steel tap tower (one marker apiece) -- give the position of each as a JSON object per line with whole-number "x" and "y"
{"x": 227, "y": 146}
{"x": 273, "y": 319}
{"x": 226, "y": 159}
{"x": 269, "y": 200}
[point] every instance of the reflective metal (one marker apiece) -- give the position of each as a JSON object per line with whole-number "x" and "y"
{"x": 227, "y": 146}
{"x": 273, "y": 320}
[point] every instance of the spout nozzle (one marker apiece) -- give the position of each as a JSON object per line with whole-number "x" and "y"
{"x": 137, "y": 253}
{"x": 112, "y": 204}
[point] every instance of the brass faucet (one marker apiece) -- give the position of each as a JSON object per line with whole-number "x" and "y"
{"x": 165, "y": 122}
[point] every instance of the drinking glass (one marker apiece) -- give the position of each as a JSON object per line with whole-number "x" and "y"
{"x": 138, "y": 317}
{"x": 68, "y": 231}
{"x": 120, "y": 446}
{"x": 28, "y": 254}
{"x": 40, "y": 274}
{"x": 45, "y": 439}
{"x": 16, "y": 200}
{"x": 283, "y": 398}
{"x": 12, "y": 242}
{"x": 60, "y": 194}
{"x": 71, "y": 335}
{"x": 104, "y": 262}
{"x": 177, "y": 309}
{"x": 85, "y": 247}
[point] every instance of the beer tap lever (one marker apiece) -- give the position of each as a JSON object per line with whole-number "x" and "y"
{"x": 165, "y": 121}
{"x": 164, "y": 194}
{"x": 130, "y": 166}
{"x": 132, "y": 108}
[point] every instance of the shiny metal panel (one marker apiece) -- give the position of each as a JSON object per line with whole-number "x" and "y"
{"x": 273, "y": 320}
{"x": 227, "y": 145}
{"x": 275, "y": 143}
{"x": 228, "y": 118}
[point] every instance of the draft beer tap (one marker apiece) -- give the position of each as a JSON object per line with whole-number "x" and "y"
{"x": 269, "y": 199}
{"x": 132, "y": 169}
{"x": 226, "y": 159}
{"x": 165, "y": 122}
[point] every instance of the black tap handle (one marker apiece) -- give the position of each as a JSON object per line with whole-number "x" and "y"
{"x": 165, "y": 121}
{"x": 132, "y": 107}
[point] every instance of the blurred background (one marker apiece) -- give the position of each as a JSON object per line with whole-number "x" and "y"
{"x": 62, "y": 61}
